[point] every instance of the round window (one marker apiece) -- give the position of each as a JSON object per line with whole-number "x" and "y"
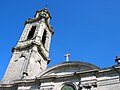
{"x": 68, "y": 87}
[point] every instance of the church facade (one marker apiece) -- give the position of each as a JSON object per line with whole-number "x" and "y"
{"x": 28, "y": 70}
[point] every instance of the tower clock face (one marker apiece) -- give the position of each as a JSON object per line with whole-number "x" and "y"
{"x": 68, "y": 87}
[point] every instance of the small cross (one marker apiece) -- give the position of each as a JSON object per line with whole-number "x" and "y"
{"x": 67, "y": 57}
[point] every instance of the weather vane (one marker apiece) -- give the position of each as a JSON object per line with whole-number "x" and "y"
{"x": 46, "y": 6}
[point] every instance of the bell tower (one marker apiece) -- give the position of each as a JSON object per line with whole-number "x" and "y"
{"x": 31, "y": 54}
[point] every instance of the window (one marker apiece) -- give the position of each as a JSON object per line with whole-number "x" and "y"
{"x": 68, "y": 87}
{"x": 44, "y": 37}
{"x": 31, "y": 32}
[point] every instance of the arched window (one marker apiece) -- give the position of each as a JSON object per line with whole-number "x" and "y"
{"x": 31, "y": 32}
{"x": 68, "y": 87}
{"x": 44, "y": 37}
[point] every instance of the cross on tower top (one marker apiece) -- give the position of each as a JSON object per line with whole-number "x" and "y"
{"x": 67, "y": 57}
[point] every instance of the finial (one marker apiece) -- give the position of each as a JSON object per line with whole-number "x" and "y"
{"x": 67, "y": 57}
{"x": 117, "y": 60}
{"x": 116, "y": 57}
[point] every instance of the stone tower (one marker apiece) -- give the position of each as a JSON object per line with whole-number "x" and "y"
{"x": 31, "y": 54}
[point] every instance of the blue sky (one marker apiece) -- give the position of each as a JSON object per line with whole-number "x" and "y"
{"x": 87, "y": 29}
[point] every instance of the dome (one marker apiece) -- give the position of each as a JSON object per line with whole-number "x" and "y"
{"x": 68, "y": 67}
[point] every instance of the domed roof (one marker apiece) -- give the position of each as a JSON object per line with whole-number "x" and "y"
{"x": 68, "y": 67}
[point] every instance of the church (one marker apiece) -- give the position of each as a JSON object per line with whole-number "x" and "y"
{"x": 28, "y": 70}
